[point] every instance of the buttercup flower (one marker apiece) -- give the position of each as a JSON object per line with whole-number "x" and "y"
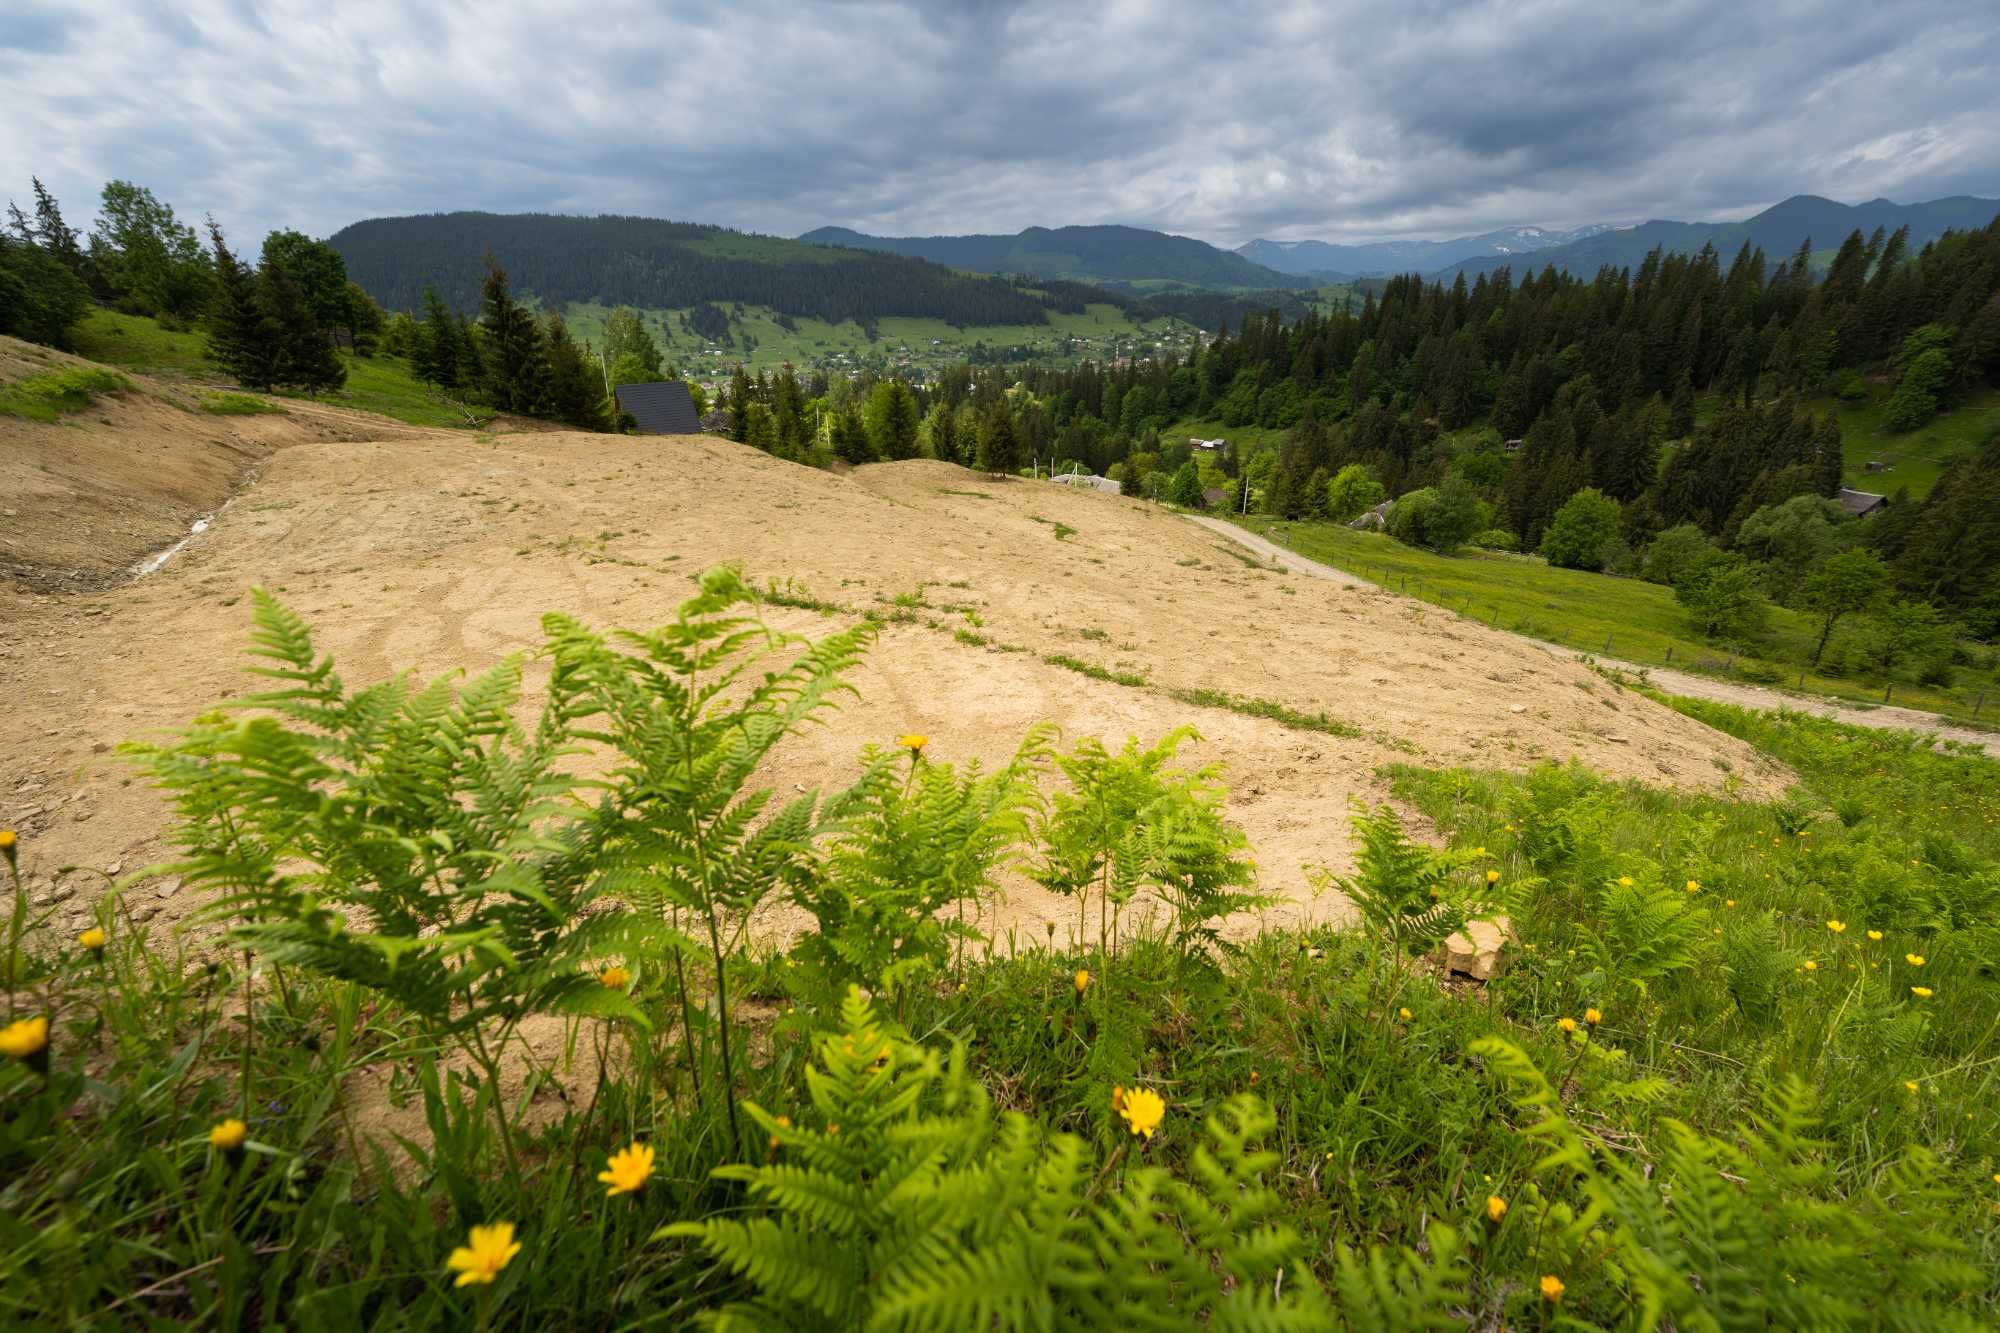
{"x": 7, "y": 841}
{"x": 1914, "y": 959}
{"x": 617, "y": 978}
{"x": 1405, "y": 1014}
{"x": 1921, "y": 992}
{"x": 1143, "y": 1110}
{"x": 1910, "y": 1084}
{"x": 228, "y": 1136}
{"x": 1624, "y": 881}
{"x": 93, "y": 939}
{"x": 627, "y": 1170}
{"x": 485, "y": 1253}
{"x": 1875, "y": 935}
{"x": 1694, "y": 886}
{"x": 1836, "y": 926}
{"x": 1811, "y": 966}
{"x": 25, "y": 1038}
{"x": 913, "y": 742}
{"x": 1496, "y": 1208}
{"x": 1552, "y": 1288}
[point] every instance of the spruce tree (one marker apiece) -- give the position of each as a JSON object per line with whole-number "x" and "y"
{"x": 234, "y": 332}
{"x": 944, "y": 434}
{"x": 999, "y": 447}
{"x": 516, "y": 363}
{"x": 739, "y": 405}
{"x": 573, "y": 391}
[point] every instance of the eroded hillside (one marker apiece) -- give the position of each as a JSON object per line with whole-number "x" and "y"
{"x": 432, "y": 550}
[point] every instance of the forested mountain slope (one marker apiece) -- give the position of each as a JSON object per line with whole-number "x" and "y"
{"x": 1116, "y": 255}
{"x": 650, "y": 263}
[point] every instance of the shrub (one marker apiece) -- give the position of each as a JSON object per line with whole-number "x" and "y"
{"x": 1496, "y": 539}
{"x": 1437, "y": 518}
{"x": 239, "y": 405}
{"x": 1581, "y": 530}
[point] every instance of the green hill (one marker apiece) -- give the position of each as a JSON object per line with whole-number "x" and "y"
{"x": 1130, "y": 257}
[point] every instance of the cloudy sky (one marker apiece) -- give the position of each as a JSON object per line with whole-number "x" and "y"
{"x": 1343, "y": 119}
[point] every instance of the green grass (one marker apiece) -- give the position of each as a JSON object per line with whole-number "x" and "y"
{"x": 1595, "y": 613}
{"x": 56, "y": 393}
{"x": 1914, "y": 459}
{"x": 137, "y": 342}
{"x": 225, "y": 404}
{"x": 384, "y": 384}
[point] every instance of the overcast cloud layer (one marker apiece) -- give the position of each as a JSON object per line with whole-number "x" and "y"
{"x": 1340, "y": 121}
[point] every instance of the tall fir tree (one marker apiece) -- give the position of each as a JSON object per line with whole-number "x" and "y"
{"x": 516, "y": 361}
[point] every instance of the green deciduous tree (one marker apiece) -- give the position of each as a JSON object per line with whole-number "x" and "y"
{"x": 1675, "y": 552}
{"x": 1185, "y": 487}
{"x": 1722, "y": 598}
{"x": 625, "y": 335}
{"x": 1845, "y": 584}
{"x": 152, "y": 262}
{"x": 1582, "y": 530}
{"x": 1789, "y": 540}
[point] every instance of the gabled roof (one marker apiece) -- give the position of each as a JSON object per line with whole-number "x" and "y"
{"x": 1858, "y": 503}
{"x": 665, "y": 408}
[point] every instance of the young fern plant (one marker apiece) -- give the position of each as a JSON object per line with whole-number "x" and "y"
{"x": 1411, "y": 897}
{"x": 910, "y": 847}
{"x": 411, "y": 840}
{"x": 1131, "y": 821}
{"x": 688, "y": 712}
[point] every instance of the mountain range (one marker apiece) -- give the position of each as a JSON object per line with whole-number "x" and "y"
{"x": 1380, "y": 259}
{"x": 1130, "y": 257}
{"x": 1779, "y": 230}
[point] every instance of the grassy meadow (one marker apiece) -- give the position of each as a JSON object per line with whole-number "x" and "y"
{"x": 1614, "y": 617}
{"x": 1741, "y": 1072}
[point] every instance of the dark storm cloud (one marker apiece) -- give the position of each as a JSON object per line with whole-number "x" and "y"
{"x": 1345, "y": 121}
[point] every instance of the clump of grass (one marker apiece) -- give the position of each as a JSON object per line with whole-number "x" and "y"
{"x": 225, "y": 404}
{"x": 1133, "y": 679}
{"x": 1269, "y": 709}
{"x": 55, "y": 393}
{"x": 1063, "y": 530}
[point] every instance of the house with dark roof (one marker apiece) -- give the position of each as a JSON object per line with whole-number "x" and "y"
{"x": 1860, "y": 504}
{"x": 664, "y": 408}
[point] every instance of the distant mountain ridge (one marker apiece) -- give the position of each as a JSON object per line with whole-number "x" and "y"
{"x": 1779, "y": 230}
{"x": 1109, "y": 255}
{"x": 1381, "y": 259}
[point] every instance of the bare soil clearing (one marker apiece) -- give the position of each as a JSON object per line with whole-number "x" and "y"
{"x": 427, "y": 550}
{"x": 1886, "y": 717}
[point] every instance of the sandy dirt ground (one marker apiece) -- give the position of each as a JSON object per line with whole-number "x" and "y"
{"x": 1884, "y": 717}
{"x": 423, "y": 550}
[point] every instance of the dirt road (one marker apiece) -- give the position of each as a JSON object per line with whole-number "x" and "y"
{"x": 1666, "y": 680}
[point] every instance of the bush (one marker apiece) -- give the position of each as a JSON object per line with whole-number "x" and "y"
{"x": 1722, "y": 598}
{"x": 1437, "y": 518}
{"x": 1675, "y": 552}
{"x": 1580, "y": 531}
{"x": 1496, "y": 539}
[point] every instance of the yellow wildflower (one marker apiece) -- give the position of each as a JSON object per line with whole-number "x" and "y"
{"x": 617, "y": 978}
{"x": 1405, "y": 1014}
{"x": 25, "y": 1038}
{"x": 1496, "y": 1208}
{"x": 1082, "y": 981}
{"x": 1811, "y": 966}
{"x": 1118, "y": 1098}
{"x": 1914, "y": 959}
{"x": 1143, "y": 1110}
{"x": 487, "y": 1251}
{"x": 627, "y": 1170}
{"x": 94, "y": 939}
{"x": 1875, "y": 935}
{"x": 1566, "y": 1024}
{"x": 783, "y": 1122}
{"x": 228, "y": 1135}
{"x": 1479, "y": 851}
{"x": 1593, "y": 1016}
{"x": 1910, "y": 1084}
{"x": 1492, "y": 877}
{"x": 1836, "y": 926}
{"x": 1694, "y": 886}
{"x": 7, "y": 841}
{"x": 1921, "y": 992}
{"x": 1552, "y": 1288}
{"x": 1624, "y": 881}
{"x": 913, "y": 742}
